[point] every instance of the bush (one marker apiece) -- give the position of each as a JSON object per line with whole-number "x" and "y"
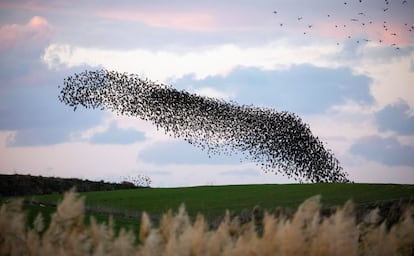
{"x": 306, "y": 232}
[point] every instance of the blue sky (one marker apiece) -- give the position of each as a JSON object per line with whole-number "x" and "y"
{"x": 346, "y": 70}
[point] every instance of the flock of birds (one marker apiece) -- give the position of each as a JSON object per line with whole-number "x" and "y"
{"x": 355, "y": 28}
{"x": 276, "y": 141}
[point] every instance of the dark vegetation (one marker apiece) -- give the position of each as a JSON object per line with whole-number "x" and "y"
{"x": 21, "y": 185}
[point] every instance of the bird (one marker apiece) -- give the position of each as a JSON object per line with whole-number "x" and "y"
{"x": 278, "y": 141}
{"x": 362, "y": 17}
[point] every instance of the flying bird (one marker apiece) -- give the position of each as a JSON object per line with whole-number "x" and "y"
{"x": 364, "y": 19}
{"x": 277, "y": 141}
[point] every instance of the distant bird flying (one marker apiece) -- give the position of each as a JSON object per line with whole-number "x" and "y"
{"x": 276, "y": 141}
{"x": 366, "y": 19}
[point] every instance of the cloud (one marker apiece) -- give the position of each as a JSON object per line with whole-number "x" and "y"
{"x": 397, "y": 118}
{"x": 181, "y": 152}
{"x": 301, "y": 88}
{"x": 211, "y": 60}
{"x": 203, "y": 21}
{"x": 29, "y": 106}
{"x": 33, "y": 111}
{"x": 115, "y": 135}
{"x": 15, "y": 36}
{"x": 36, "y": 137}
{"x": 388, "y": 151}
{"x": 238, "y": 173}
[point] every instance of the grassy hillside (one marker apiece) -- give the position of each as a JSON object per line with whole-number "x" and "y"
{"x": 212, "y": 201}
{"x": 311, "y": 230}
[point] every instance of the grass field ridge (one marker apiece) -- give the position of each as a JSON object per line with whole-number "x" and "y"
{"x": 213, "y": 201}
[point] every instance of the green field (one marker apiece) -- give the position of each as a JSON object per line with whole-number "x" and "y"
{"x": 212, "y": 201}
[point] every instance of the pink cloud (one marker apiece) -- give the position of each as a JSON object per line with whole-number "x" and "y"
{"x": 197, "y": 21}
{"x": 36, "y": 31}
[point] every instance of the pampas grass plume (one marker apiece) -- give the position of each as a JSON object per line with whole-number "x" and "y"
{"x": 306, "y": 232}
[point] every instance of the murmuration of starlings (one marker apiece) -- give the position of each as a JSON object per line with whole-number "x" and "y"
{"x": 276, "y": 141}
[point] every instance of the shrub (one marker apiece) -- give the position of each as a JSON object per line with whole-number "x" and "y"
{"x": 306, "y": 232}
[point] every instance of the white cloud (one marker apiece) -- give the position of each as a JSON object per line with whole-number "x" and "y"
{"x": 362, "y": 171}
{"x": 214, "y": 93}
{"x": 164, "y": 65}
{"x": 392, "y": 78}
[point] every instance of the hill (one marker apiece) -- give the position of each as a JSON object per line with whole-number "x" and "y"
{"x": 21, "y": 185}
{"x": 212, "y": 201}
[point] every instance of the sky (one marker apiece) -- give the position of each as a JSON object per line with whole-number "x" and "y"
{"x": 345, "y": 67}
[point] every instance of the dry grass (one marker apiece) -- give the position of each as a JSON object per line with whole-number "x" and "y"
{"x": 307, "y": 232}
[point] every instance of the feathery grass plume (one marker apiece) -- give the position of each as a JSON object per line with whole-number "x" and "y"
{"x": 33, "y": 236}
{"x": 307, "y": 232}
{"x": 66, "y": 230}
{"x": 401, "y": 236}
{"x": 145, "y": 228}
{"x": 12, "y": 229}
{"x": 340, "y": 229}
